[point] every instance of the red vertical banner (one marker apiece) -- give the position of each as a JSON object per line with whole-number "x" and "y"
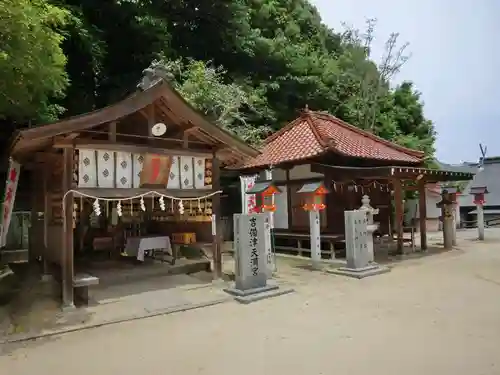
{"x": 9, "y": 198}
{"x": 156, "y": 170}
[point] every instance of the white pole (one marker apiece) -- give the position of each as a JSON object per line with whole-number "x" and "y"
{"x": 454, "y": 232}
{"x": 480, "y": 222}
{"x": 315, "y": 238}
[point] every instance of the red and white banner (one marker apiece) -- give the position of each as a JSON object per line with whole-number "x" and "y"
{"x": 9, "y": 198}
{"x": 248, "y": 202}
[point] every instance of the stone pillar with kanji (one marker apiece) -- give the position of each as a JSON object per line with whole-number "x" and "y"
{"x": 314, "y": 201}
{"x": 446, "y": 206}
{"x": 265, "y": 190}
{"x": 479, "y": 200}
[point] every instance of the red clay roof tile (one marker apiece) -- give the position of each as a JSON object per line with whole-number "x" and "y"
{"x": 315, "y": 133}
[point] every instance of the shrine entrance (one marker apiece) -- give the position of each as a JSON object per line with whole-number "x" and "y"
{"x": 131, "y": 187}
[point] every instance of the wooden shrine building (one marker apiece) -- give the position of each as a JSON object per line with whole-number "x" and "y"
{"x": 351, "y": 163}
{"x": 144, "y": 167}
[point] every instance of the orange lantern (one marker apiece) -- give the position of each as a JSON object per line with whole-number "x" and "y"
{"x": 265, "y": 190}
{"x": 314, "y": 196}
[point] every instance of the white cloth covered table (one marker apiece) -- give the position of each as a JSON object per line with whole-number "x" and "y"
{"x": 138, "y": 245}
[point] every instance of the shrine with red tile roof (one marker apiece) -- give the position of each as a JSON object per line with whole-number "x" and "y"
{"x": 351, "y": 162}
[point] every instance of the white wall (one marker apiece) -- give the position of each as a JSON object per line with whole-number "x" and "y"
{"x": 281, "y": 200}
{"x": 281, "y": 213}
{"x": 412, "y": 208}
{"x": 296, "y": 173}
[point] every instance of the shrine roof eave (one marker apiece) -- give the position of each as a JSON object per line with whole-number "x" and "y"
{"x": 402, "y": 172}
{"x": 38, "y": 138}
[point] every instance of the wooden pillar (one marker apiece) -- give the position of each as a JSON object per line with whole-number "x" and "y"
{"x": 289, "y": 199}
{"x": 422, "y": 207}
{"x": 67, "y": 236}
{"x": 46, "y": 270}
{"x": 399, "y": 212}
{"x": 216, "y": 210}
{"x": 112, "y": 132}
{"x": 37, "y": 184}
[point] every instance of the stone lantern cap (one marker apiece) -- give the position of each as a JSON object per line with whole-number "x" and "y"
{"x": 479, "y": 190}
{"x": 264, "y": 187}
{"x": 316, "y": 188}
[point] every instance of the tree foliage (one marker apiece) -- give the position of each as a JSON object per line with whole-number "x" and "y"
{"x": 32, "y": 63}
{"x": 250, "y": 65}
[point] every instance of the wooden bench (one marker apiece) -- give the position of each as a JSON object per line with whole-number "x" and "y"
{"x": 81, "y": 283}
{"x": 329, "y": 239}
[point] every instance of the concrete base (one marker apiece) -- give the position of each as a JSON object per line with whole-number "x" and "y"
{"x": 257, "y": 294}
{"x": 68, "y": 307}
{"x": 360, "y": 273}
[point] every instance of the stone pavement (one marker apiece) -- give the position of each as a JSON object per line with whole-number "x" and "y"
{"x": 437, "y": 314}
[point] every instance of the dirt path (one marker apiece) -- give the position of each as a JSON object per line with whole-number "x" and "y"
{"x": 438, "y": 315}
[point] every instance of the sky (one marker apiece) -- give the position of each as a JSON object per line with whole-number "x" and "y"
{"x": 454, "y": 63}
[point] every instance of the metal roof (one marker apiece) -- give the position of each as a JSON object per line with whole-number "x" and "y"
{"x": 488, "y": 177}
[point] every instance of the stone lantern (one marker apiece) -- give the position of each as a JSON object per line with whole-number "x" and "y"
{"x": 314, "y": 201}
{"x": 371, "y": 226}
{"x": 479, "y": 201}
{"x": 446, "y": 206}
{"x": 265, "y": 191}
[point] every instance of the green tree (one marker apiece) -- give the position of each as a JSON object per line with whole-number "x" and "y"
{"x": 32, "y": 63}
{"x": 201, "y": 84}
{"x": 250, "y": 65}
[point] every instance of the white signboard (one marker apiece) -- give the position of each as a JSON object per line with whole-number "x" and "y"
{"x": 248, "y": 201}
{"x": 356, "y": 239}
{"x": 8, "y": 198}
{"x": 269, "y": 251}
{"x": 250, "y": 239}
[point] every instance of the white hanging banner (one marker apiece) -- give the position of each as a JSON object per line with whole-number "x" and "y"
{"x": 9, "y": 198}
{"x": 248, "y": 202}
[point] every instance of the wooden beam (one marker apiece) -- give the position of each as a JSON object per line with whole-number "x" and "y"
{"x": 44, "y": 157}
{"x": 190, "y": 128}
{"x": 120, "y": 193}
{"x": 422, "y": 207}
{"x": 66, "y": 140}
{"x": 106, "y": 145}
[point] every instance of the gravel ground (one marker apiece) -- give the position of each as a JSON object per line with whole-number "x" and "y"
{"x": 436, "y": 315}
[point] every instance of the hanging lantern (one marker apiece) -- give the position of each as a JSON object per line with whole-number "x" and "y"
{"x": 143, "y": 206}
{"x": 181, "y": 207}
{"x": 314, "y": 196}
{"x": 479, "y": 193}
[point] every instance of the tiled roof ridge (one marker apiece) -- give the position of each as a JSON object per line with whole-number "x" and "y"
{"x": 299, "y": 120}
{"x": 328, "y": 117}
